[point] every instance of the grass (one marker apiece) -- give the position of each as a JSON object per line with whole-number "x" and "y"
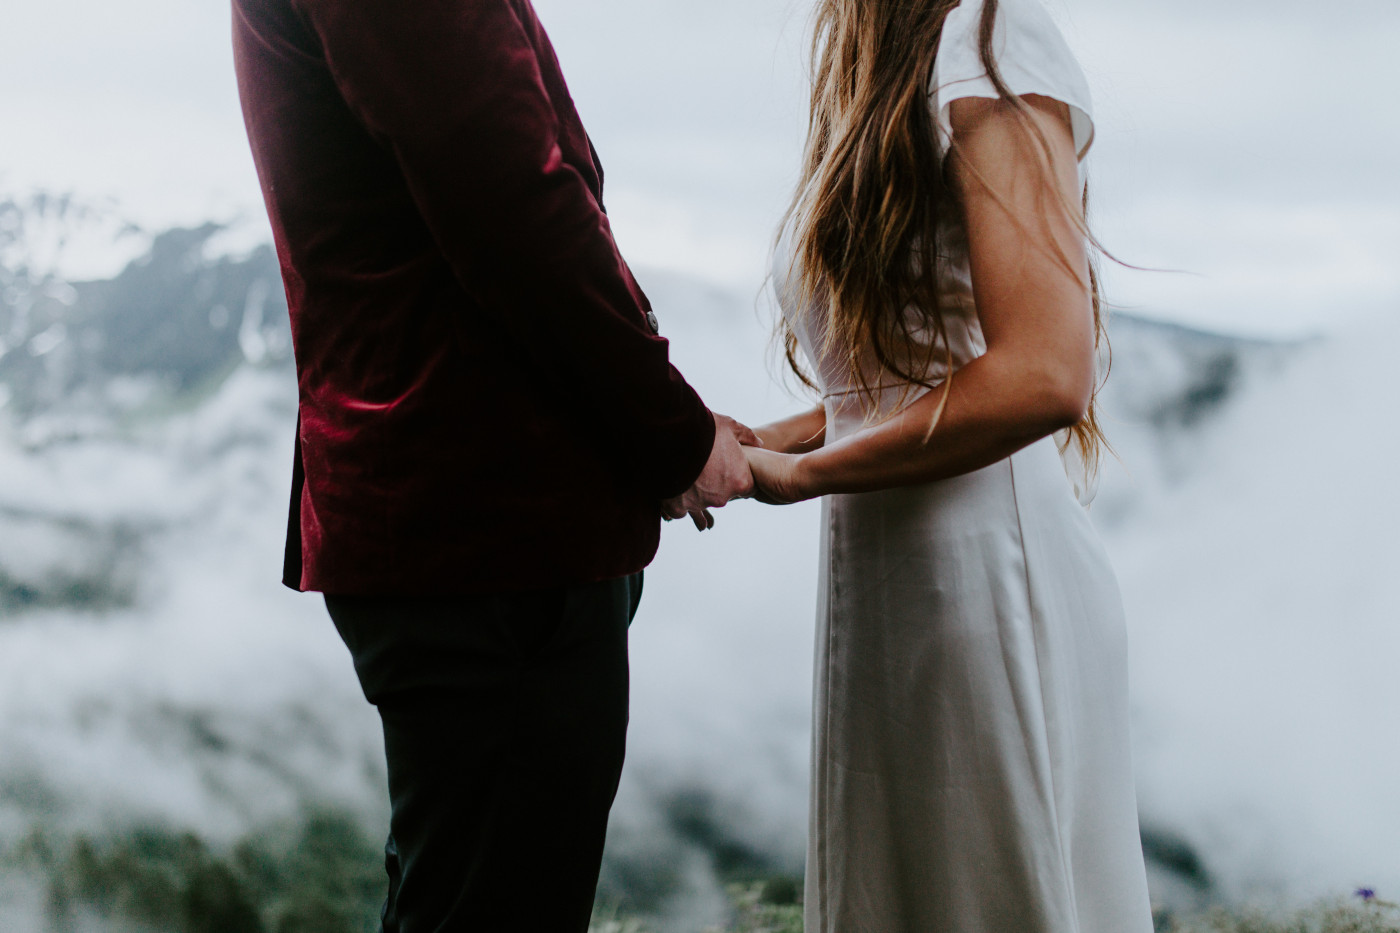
{"x": 1331, "y": 916}
{"x": 773, "y": 906}
{"x": 754, "y": 913}
{"x": 324, "y": 875}
{"x": 321, "y": 877}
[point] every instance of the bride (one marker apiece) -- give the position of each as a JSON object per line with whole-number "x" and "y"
{"x": 971, "y": 761}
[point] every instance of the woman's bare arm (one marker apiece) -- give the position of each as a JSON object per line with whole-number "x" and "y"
{"x": 798, "y": 434}
{"x": 1031, "y": 284}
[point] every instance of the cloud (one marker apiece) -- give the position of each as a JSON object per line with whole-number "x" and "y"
{"x": 1222, "y": 128}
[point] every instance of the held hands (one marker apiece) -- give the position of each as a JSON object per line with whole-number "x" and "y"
{"x": 726, "y": 476}
{"x": 780, "y": 465}
{"x": 744, "y": 465}
{"x": 777, "y": 477}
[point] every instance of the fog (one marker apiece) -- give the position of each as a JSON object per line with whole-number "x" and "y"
{"x": 1248, "y": 144}
{"x": 154, "y": 672}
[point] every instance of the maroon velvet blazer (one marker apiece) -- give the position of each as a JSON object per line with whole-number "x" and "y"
{"x": 484, "y": 405}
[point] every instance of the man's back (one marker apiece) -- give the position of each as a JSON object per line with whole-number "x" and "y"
{"x": 483, "y": 405}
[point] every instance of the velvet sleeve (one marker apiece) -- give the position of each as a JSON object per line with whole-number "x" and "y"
{"x": 453, "y": 88}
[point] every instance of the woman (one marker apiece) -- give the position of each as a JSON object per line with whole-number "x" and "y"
{"x": 971, "y": 755}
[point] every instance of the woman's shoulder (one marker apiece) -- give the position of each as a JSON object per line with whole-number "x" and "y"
{"x": 1030, "y": 52}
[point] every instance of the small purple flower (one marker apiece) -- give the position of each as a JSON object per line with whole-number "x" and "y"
{"x": 1366, "y": 894}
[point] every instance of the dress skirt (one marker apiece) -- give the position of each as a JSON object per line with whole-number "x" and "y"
{"x": 972, "y": 771}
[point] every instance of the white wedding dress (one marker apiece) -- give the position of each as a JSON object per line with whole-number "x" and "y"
{"x": 971, "y": 762}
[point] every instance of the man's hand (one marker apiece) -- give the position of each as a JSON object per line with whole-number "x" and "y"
{"x": 726, "y": 476}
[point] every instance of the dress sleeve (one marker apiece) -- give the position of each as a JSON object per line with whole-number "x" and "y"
{"x": 1030, "y": 52}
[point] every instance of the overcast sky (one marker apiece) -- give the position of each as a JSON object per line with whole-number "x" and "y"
{"x": 1250, "y": 143}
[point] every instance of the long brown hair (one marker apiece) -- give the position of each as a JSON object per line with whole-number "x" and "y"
{"x": 865, "y": 219}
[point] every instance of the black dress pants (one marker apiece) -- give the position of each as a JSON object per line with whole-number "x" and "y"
{"x": 505, "y": 725}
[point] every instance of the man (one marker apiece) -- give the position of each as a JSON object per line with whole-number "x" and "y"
{"x": 489, "y": 426}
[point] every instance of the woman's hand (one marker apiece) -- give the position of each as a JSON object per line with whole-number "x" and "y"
{"x": 778, "y": 478}
{"x": 797, "y": 434}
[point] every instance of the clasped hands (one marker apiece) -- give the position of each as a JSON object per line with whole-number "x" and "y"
{"x": 739, "y": 467}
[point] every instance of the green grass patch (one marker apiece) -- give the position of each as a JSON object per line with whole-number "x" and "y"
{"x": 771, "y": 906}
{"x": 755, "y": 912}
{"x": 323, "y": 876}
{"x": 1358, "y": 915}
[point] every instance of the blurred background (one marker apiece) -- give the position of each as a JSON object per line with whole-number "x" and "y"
{"x": 181, "y": 737}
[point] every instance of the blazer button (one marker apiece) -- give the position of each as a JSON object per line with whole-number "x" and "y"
{"x": 653, "y": 323}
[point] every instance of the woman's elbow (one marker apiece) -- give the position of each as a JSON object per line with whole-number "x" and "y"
{"x": 1068, "y": 410}
{"x": 1066, "y": 394}
{"x": 1051, "y": 391}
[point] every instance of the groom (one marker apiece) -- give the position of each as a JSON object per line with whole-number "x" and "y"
{"x": 489, "y": 431}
